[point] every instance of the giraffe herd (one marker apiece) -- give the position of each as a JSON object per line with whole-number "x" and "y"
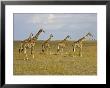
{"x": 30, "y": 42}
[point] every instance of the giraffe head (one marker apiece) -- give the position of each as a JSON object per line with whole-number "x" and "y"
{"x": 51, "y": 35}
{"x": 31, "y": 34}
{"x": 89, "y": 34}
{"x": 68, "y": 36}
{"x": 41, "y": 30}
{"x": 38, "y": 33}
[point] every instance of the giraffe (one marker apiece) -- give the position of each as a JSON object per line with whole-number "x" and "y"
{"x": 79, "y": 43}
{"x": 61, "y": 44}
{"x": 29, "y": 44}
{"x": 46, "y": 45}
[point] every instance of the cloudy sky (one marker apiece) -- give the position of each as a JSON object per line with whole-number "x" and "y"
{"x": 60, "y": 25}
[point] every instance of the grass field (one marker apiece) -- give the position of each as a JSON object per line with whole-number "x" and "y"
{"x": 68, "y": 63}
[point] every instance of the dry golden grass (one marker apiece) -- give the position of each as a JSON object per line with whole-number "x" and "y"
{"x": 65, "y": 64}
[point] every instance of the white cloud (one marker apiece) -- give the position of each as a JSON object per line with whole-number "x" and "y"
{"x": 63, "y": 21}
{"x": 51, "y": 18}
{"x": 38, "y": 19}
{"x": 34, "y": 19}
{"x": 48, "y": 21}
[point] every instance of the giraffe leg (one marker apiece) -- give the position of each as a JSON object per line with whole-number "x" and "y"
{"x": 74, "y": 50}
{"x": 49, "y": 50}
{"x": 81, "y": 51}
{"x": 58, "y": 49}
{"x": 25, "y": 52}
{"x": 62, "y": 51}
{"x": 43, "y": 48}
{"x": 19, "y": 50}
{"x": 32, "y": 52}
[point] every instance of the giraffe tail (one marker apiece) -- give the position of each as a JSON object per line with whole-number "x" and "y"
{"x": 19, "y": 51}
{"x": 73, "y": 50}
{"x": 42, "y": 48}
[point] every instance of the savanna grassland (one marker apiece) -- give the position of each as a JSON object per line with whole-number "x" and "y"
{"x": 68, "y": 63}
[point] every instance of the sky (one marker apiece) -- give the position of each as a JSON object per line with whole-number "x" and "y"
{"x": 59, "y": 24}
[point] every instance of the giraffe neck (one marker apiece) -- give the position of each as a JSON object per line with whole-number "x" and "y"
{"x": 65, "y": 39}
{"x": 80, "y": 40}
{"x": 86, "y": 35}
{"x": 37, "y": 35}
{"x": 49, "y": 39}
